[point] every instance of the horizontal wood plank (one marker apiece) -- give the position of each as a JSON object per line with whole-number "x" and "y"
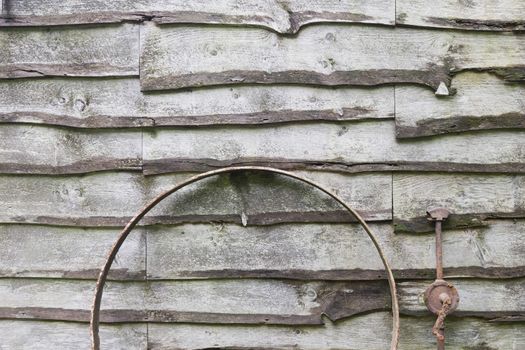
{"x": 175, "y": 57}
{"x": 245, "y": 301}
{"x": 36, "y": 149}
{"x": 332, "y": 252}
{"x": 345, "y": 146}
{"x": 38, "y": 335}
{"x": 90, "y": 103}
{"x": 366, "y": 332}
{"x": 471, "y": 199}
{"x": 69, "y": 51}
{"x": 69, "y": 252}
{"x": 483, "y": 101}
{"x": 110, "y": 199}
{"x": 502, "y": 15}
{"x": 282, "y": 17}
{"x": 371, "y": 331}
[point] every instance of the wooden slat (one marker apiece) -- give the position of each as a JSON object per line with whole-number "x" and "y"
{"x": 483, "y": 101}
{"x": 38, "y": 335}
{"x": 471, "y": 199}
{"x": 333, "y": 252}
{"x": 180, "y": 56}
{"x": 285, "y": 17}
{"x": 110, "y": 199}
{"x": 372, "y": 332}
{"x": 91, "y": 103}
{"x": 246, "y": 301}
{"x": 45, "y": 150}
{"x": 345, "y": 146}
{"x": 365, "y": 332}
{"x": 69, "y": 51}
{"x": 66, "y": 252}
{"x": 501, "y": 15}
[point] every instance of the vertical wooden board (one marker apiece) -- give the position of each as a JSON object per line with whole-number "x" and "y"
{"x": 111, "y": 199}
{"x": 45, "y": 150}
{"x": 176, "y": 57}
{"x": 371, "y": 331}
{"x": 69, "y": 51}
{"x": 66, "y": 252}
{"x": 470, "y": 198}
{"x": 483, "y": 101}
{"x": 345, "y": 146}
{"x": 334, "y": 252}
{"x": 502, "y": 15}
{"x": 80, "y": 102}
{"x": 38, "y": 335}
{"x": 283, "y": 17}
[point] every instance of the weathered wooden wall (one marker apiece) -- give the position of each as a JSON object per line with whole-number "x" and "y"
{"x": 397, "y": 106}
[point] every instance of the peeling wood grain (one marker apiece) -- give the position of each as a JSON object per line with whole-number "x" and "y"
{"x": 471, "y": 198}
{"x": 245, "y": 301}
{"x": 502, "y": 15}
{"x": 483, "y": 102}
{"x": 366, "y": 332}
{"x": 45, "y": 150}
{"x": 180, "y": 57}
{"x": 90, "y": 103}
{"x": 110, "y": 199}
{"x": 69, "y": 51}
{"x": 38, "y": 335}
{"x": 333, "y": 252}
{"x": 280, "y": 16}
{"x": 344, "y": 147}
{"x": 69, "y": 252}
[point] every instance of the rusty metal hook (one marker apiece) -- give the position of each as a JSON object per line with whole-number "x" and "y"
{"x": 95, "y": 310}
{"x": 441, "y": 297}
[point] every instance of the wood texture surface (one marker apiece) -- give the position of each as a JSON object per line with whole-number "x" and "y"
{"x": 90, "y": 103}
{"x": 69, "y": 252}
{"x": 44, "y": 150}
{"x": 175, "y": 57}
{"x": 333, "y": 252}
{"x": 483, "y": 101}
{"x": 69, "y": 51}
{"x": 110, "y": 199}
{"x": 245, "y": 301}
{"x": 471, "y": 199}
{"x": 345, "y": 146}
{"x": 280, "y": 16}
{"x": 502, "y": 15}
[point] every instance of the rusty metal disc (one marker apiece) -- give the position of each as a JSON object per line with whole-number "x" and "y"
{"x": 435, "y": 293}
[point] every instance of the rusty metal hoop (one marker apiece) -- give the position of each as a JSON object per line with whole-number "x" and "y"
{"x": 95, "y": 310}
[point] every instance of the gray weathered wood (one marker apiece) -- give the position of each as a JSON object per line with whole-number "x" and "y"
{"x": 110, "y": 199}
{"x": 38, "y": 149}
{"x": 91, "y": 103}
{"x": 345, "y": 146}
{"x": 180, "y": 57}
{"x": 67, "y": 252}
{"x": 38, "y": 335}
{"x": 245, "y": 301}
{"x": 334, "y": 252}
{"x": 471, "y": 199}
{"x": 501, "y": 15}
{"x": 483, "y": 101}
{"x": 69, "y": 51}
{"x": 281, "y": 16}
{"x": 371, "y": 331}
{"x": 365, "y": 332}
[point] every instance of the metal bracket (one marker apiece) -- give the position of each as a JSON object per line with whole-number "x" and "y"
{"x": 441, "y": 297}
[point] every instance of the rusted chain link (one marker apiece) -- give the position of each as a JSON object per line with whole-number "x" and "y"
{"x": 442, "y": 314}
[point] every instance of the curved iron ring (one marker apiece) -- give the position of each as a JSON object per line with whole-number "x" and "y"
{"x": 95, "y": 311}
